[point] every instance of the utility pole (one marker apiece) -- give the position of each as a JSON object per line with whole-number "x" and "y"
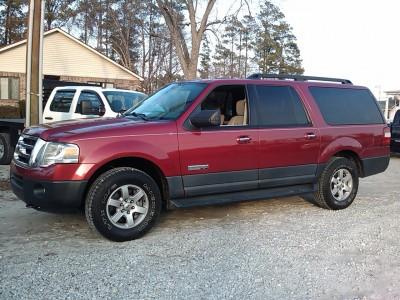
{"x": 34, "y": 64}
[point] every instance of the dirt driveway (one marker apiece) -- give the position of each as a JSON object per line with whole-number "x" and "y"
{"x": 274, "y": 249}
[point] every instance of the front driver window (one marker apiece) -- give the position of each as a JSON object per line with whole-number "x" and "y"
{"x": 231, "y": 102}
{"x": 94, "y": 101}
{"x": 169, "y": 102}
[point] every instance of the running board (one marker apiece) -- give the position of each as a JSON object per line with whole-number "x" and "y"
{"x": 243, "y": 196}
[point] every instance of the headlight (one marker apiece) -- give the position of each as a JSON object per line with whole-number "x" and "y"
{"x": 48, "y": 153}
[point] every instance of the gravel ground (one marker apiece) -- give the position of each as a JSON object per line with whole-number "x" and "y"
{"x": 274, "y": 249}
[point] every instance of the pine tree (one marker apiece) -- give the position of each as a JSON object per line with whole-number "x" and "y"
{"x": 249, "y": 27}
{"x": 276, "y": 48}
{"x": 221, "y": 61}
{"x": 229, "y": 39}
{"x": 58, "y": 13}
{"x": 13, "y": 18}
{"x": 205, "y": 59}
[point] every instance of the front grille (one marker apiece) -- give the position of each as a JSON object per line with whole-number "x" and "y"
{"x": 23, "y": 150}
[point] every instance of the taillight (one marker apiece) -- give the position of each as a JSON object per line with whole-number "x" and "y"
{"x": 386, "y": 136}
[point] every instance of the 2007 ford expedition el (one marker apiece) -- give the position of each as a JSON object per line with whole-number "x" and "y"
{"x": 206, "y": 142}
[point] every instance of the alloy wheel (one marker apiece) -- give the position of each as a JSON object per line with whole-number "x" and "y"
{"x": 341, "y": 184}
{"x": 127, "y": 206}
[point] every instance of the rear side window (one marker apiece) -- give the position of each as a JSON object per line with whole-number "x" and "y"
{"x": 347, "y": 106}
{"x": 62, "y": 101}
{"x": 280, "y": 106}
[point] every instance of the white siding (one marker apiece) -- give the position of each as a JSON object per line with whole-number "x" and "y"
{"x": 13, "y": 60}
{"x": 64, "y": 57}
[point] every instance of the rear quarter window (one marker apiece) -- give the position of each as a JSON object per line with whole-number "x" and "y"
{"x": 341, "y": 106}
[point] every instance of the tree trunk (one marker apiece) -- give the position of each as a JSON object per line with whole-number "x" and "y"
{"x": 246, "y": 58}
{"x": 188, "y": 61}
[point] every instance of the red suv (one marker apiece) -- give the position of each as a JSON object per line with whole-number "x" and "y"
{"x": 206, "y": 142}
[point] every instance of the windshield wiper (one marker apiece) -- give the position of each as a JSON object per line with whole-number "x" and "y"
{"x": 142, "y": 116}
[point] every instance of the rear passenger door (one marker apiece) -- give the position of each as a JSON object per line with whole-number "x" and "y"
{"x": 289, "y": 143}
{"x": 60, "y": 106}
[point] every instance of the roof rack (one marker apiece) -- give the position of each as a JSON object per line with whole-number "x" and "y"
{"x": 298, "y": 78}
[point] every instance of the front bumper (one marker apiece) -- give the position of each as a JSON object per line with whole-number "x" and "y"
{"x": 49, "y": 195}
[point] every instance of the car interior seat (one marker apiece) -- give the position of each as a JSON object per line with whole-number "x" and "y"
{"x": 241, "y": 114}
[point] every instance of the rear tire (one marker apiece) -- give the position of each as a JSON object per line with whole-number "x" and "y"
{"x": 6, "y": 150}
{"x": 337, "y": 185}
{"x": 123, "y": 204}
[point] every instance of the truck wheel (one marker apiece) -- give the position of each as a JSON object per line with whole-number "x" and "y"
{"x": 6, "y": 150}
{"x": 337, "y": 185}
{"x": 123, "y": 204}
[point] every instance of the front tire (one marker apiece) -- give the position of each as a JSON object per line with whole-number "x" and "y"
{"x": 6, "y": 150}
{"x": 337, "y": 185}
{"x": 123, "y": 204}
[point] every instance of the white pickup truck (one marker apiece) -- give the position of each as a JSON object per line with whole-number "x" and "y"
{"x": 72, "y": 102}
{"x": 77, "y": 102}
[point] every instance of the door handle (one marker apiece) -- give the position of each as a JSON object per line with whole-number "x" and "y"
{"x": 310, "y": 136}
{"x": 243, "y": 139}
{"x": 48, "y": 118}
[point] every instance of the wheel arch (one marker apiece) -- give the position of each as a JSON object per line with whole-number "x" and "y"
{"x": 347, "y": 147}
{"x": 353, "y": 156}
{"x": 136, "y": 162}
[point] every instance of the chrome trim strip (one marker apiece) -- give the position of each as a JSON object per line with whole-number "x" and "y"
{"x": 197, "y": 167}
{"x": 25, "y": 143}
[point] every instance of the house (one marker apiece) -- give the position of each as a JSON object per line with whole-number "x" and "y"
{"x": 65, "y": 59}
{"x": 393, "y": 98}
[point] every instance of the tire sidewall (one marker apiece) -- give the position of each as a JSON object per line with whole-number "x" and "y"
{"x": 336, "y": 165}
{"x": 105, "y": 186}
{"x": 5, "y": 141}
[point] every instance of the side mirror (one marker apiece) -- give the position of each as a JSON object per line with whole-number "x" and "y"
{"x": 86, "y": 107}
{"x": 206, "y": 118}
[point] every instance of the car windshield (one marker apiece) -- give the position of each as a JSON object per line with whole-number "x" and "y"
{"x": 168, "y": 103}
{"x": 122, "y": 101}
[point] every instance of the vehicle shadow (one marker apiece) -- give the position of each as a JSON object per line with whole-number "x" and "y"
{"x": 37, "y": 226}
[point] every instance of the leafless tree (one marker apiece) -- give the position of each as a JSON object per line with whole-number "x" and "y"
{"x": 188, "y": 59}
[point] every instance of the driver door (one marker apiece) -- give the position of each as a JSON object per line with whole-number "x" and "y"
{"x": 223, "y": 158}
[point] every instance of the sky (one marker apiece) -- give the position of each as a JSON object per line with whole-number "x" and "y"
{"x": 354, "y": 39}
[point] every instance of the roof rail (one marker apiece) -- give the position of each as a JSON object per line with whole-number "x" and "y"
{"x": 298, "y": 78}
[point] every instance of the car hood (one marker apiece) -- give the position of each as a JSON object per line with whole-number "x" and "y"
{"x": 85, "y": 128}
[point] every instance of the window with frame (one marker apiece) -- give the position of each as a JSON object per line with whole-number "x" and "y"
{"x": 122, "y": 101}
{"x": 347, "y": 106}
{"x": 231, "y": 101}
{"x": 280, "y": 106}
{"x": 9, "y": 88}
{"x": 94, "y": 99}
{"x": 62, "y": 101}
